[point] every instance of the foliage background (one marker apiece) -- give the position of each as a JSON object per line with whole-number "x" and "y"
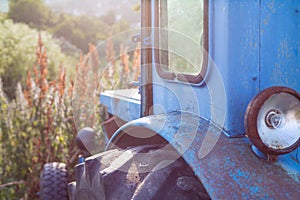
{"x": 17, "y": 53}
{"x": 36, "y": 127}
{"x": 79, "y": 25}
{"x": 40, "y": 52}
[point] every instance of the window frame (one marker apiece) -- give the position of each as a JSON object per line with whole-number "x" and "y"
{"x": 163, "y": 56}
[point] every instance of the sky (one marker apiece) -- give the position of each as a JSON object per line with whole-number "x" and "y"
{"x": 3, "y": 5}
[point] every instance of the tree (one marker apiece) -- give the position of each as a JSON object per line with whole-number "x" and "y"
{"x": 31, "y": 12}
{"x": 79, "y": 30}
{"x": 17, "y": 54}
{"x": 109, "y": 18}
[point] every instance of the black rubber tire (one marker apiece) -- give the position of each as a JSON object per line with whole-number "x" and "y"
{"x": 98, "y": 179}
{"x": 53, "y": 182}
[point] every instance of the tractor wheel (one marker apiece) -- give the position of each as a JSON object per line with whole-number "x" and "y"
{"x": 138, "y": 173}
{"x": 53, "y": 182}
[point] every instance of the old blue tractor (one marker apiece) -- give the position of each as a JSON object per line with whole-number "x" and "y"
{"x": 215, "y": 114}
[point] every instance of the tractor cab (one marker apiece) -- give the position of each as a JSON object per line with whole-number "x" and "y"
{"x": 220, "y": 84}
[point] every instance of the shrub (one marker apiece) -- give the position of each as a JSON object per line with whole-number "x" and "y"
{"x": 17, "y": 53}
{"x": 38, "y": 125}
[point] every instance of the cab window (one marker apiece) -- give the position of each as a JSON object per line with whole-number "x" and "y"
{"x": 186, "y": 25}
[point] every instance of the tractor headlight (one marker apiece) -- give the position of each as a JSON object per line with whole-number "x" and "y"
{"x": 272, "y": 120}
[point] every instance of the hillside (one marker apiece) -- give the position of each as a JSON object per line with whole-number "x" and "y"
{"x": 122, "y": 8}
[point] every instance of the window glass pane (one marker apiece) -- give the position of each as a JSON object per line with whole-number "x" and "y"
{"x": 186, "y": 18}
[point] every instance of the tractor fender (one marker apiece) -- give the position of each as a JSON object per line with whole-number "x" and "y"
{"x": 226, "y": 166}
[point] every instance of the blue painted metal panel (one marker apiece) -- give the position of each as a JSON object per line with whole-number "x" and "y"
{"x": 230, "y": 170}
{"x": 242, "y": 54}
{"x": 244, "y": 47}
{"x": 280, "y": 44}
{"x": 234, "y": 47}
{"x": 123, "y": 103}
